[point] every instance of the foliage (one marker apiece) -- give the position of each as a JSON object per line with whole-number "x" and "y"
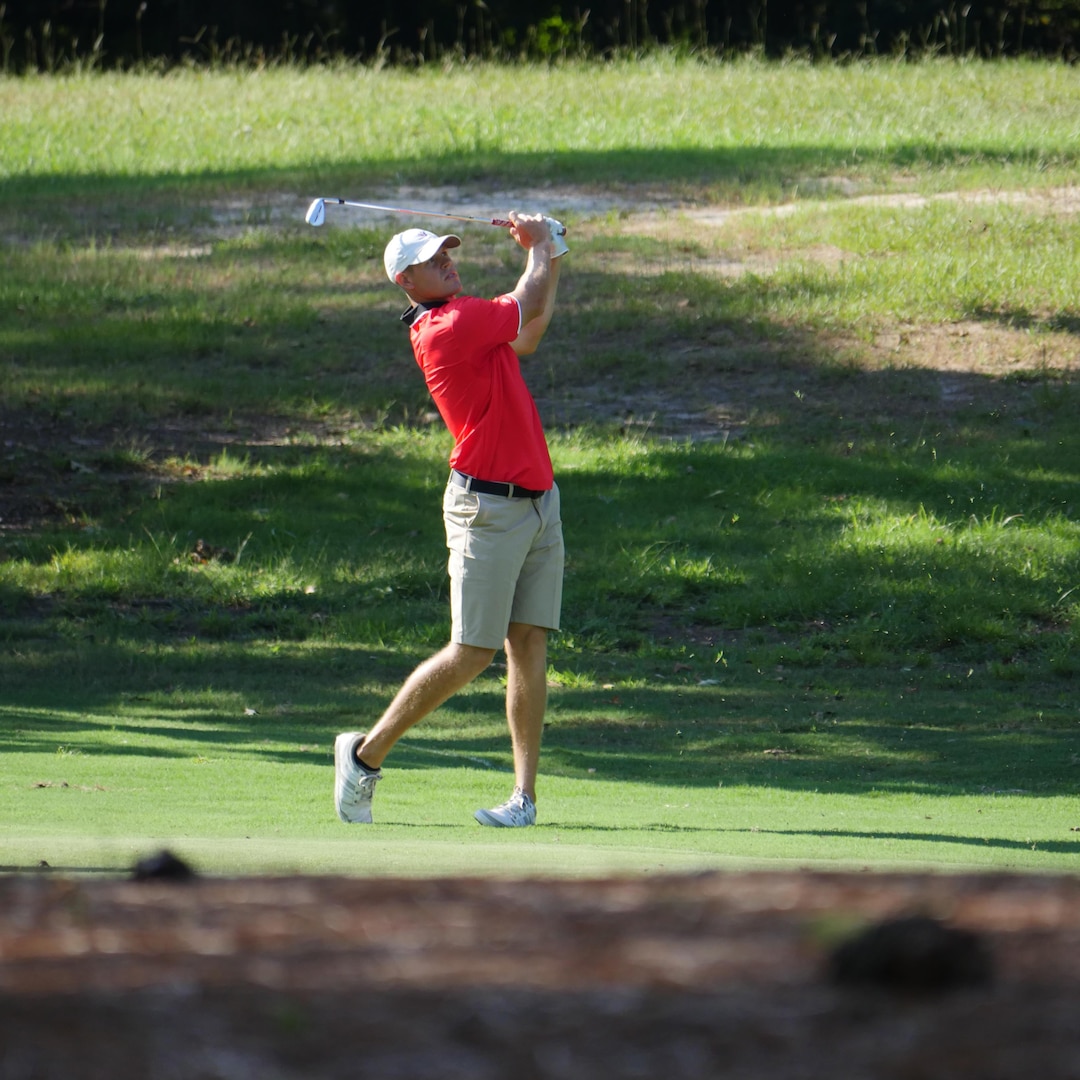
{"x": 54, "y": 34}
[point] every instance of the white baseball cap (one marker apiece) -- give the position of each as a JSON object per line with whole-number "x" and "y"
{"x": 411, "y": 247}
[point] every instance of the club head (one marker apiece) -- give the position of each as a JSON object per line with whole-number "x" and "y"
{"x": 316, "y": 214}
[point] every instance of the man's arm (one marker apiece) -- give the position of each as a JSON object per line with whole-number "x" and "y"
{"x": 532, "y": 331}
{"x": 535, "y": 290}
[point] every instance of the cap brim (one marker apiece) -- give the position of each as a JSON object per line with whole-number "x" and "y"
{"x": 434, "y": 246}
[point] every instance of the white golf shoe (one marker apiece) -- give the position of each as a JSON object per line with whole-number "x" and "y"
{"x": 518, "y": 811}
{"x": 353, "y": 785}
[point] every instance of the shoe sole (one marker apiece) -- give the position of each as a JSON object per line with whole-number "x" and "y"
{"x": 485, "y": 817}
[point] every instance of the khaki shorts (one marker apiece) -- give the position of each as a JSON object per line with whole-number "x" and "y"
{"x": 505, "y": 565}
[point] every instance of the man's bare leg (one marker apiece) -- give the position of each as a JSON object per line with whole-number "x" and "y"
{"x": 436, "y": 679}
{"x": 526, "y": 699}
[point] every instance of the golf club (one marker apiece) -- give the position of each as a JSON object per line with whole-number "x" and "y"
{"x": 316, "y": 214}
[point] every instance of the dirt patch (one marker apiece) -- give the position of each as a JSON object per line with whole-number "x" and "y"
{"x": 697, "y": 976}
{"x": 636, "y": 207}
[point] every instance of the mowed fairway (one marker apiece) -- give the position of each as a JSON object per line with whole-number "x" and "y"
{"x": 811, "y": 392}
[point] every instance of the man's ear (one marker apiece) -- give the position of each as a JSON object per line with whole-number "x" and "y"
{"x": 404, "y": 280}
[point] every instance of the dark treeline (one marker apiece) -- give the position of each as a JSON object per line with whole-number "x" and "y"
{"x": 46, "y": 35}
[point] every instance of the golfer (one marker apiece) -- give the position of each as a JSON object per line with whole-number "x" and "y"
{"x": 500, "y": 507}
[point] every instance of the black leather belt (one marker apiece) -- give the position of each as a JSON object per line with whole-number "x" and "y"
{"x": 491, "y": 487}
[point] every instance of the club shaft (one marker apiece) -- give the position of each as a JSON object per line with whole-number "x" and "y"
{"x": 501, "y": 222}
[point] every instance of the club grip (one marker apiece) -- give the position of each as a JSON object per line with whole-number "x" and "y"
{"x": 502, "y": 223}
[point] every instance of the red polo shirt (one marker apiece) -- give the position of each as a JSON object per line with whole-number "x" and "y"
{"x": 463, "y": 348}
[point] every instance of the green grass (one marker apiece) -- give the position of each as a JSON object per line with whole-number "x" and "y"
{"x": 840, "y": 630}
{"x": 745, "y": 130}
{"x": 643, "y": 775}
{"x": 683, "y": 731}
{"x": 945, "y": 260}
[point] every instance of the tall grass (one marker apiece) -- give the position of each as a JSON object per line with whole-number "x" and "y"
{"x": 733, "y": 128}
{"x": 944, "y": 259}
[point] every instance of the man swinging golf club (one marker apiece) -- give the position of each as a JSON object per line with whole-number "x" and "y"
{"x": 500, "y": 506}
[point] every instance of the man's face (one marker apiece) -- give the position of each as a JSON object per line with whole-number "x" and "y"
{"x": 435, "y": 279}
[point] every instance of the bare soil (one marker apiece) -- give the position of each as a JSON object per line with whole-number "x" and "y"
{"x": 723, "y": 975}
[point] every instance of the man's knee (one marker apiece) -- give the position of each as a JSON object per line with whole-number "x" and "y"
{"x": 471, "y": 658}
{"x": 523, "y": 638}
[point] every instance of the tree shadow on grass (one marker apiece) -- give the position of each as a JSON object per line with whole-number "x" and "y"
{"x": 731, "y": 535}
{"x": 1022, "y": 318}
{"x": 1056, "y": 847}
{"x": 728, "y": 172}
{"x": 750, "y": 732}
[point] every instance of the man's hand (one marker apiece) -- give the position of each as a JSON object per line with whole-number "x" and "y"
{"x": 530, "y": 230}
